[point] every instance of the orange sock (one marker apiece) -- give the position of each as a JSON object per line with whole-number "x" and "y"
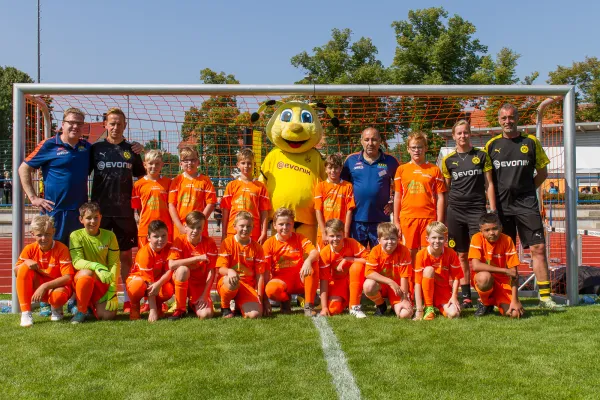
{"x": 226, "y": 296}
{"x": 335, "y": 307}
{"x": 377, "y": 299}
{"x": 84, "y": 287}
{"x": 485, "y": 296}
{"x": 427, "y": 287}
{"x": 25, "y": 287}
{"x": 136, "y": 289}
{"x": 277, "y": 290}
{"x": 311, "y": 283}
{"x": 357, "y": 278}
{"x": 181, "y": 289}
{"x": 58, "y": 298}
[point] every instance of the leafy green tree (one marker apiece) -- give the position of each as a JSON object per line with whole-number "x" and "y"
{"x": 585, "y": 76}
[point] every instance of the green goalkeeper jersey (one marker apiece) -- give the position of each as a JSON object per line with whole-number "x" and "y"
{"x": 92, "y": 252}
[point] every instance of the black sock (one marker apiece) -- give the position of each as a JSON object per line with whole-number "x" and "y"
{"x": 466, "y": 291}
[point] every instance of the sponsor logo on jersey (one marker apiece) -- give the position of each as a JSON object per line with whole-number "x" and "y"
{"x": 382, "y": 165}
{"x": 127, "y": 155}
{"x": 113, "y": 164}
{"x": 513, "y": 163}
{"x": 475, "y": 160}
{"x": 62, "y": 152}
{"x": 497, "y": 150}
{"x": 455, "y": 163}
{"x": 307, "y": 159}
{"x": 284, "y": 165}
{"x": 452, "y": 243}
{"x": 102, "y": 154}
{"x": 357, "y": 166}
{"x": 81, "y": 148}
{"x": 470, "y": 172}
{"x": 524, "y": 149}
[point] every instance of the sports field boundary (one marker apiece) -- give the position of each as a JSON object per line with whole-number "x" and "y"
{"x": 337, "y": 364}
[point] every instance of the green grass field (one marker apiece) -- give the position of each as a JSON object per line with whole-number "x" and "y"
{"x": 545, "y": 355}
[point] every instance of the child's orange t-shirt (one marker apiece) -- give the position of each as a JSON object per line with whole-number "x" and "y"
{"x": 54, "y": 263}
{"x": 334, "y": 200}
{"x": 245, "y": 196}
{"x": 418, "y": 186}
{"x": 330, "y": 259}
{"x": 446, "y": 266}
{"x": 501, "y": 254}
{"x": 182, "y": 249}
{"x": 191, "y": 194}
{"x": 248, "y": 260}
{"x": 149, "y": 264}
{"x": 286, "y": 257}
{"x": 394, "y": 266}
{"x": 152, "y": 198}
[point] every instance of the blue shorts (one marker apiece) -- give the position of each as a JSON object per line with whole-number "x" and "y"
{"x": 65, "y": 222}
{"x": 365, "y": 233}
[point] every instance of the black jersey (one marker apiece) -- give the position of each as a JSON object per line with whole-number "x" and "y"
{"x": 466, "y": 171}
{"x": 515, "y": 161}
{"x": 114, "y": 167}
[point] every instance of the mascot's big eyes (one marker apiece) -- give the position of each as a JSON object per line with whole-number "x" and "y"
{"x": 286, "y": 115}
{"x": 306, "y": 117}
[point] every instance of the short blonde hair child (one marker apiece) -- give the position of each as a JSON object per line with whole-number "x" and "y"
{"x": 335, "y": 225}
{"x": 187, "y": 151}
{"x": 194, "y": 218}
{"x": 417, "y": 137}
{"x": 437, "y": 227}
{"x": 153, "y": 155}
{"x": 41, "y": 223}
{"x": 243, "y": 215}
{"x": 283, "y": 212}
{"x": 245, "y": 154}
{"x": 386, "y": 229}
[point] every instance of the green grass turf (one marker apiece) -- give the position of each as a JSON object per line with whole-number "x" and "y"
{"x": 545, "y": 355}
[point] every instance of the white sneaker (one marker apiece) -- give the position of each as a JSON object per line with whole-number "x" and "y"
{"x": 26, "y": 319}
{"x": 57, "y": 314}
{"x": 357, "y": 312}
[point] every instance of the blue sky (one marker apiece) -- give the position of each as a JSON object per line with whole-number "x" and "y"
{"x": 170, "y": 42}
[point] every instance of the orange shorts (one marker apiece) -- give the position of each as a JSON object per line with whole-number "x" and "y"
{"x": 413, "y": 232}
{"x": 339, "y": 288}
{"x": 441, "y": 296}
{"x": 39, "y": 279}
{"x": 165, "y": 293}
{"x": 501, "y": 294}
{"x": 196, "y": 286}
{"x": 99, "y": 291}
{"x": 245, "y": 294}
{"x": 386, "y": 291}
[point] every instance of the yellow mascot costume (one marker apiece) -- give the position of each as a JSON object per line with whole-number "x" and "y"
{"x": 293, "y": 168}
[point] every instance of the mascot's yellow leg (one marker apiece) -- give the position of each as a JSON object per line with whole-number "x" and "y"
{"x": 310, "y": 231}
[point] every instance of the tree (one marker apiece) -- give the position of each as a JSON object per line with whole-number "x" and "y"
{"x": 8, "y": 77}
{"x": 585, "y": 76}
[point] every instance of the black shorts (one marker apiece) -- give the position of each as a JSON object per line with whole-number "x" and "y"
{"x": 124, "y": 228}
{"x": 462, "y": 224}
{"x": 528, "y": 225}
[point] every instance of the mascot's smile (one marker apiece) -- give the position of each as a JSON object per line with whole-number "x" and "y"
{"x": 294, "y": 144}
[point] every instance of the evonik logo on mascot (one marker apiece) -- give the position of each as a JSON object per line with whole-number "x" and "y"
{"x": 284, "y": 165}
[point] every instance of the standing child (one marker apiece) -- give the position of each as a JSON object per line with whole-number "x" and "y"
{"x": 241, "y": 266}
{"x": 435, "y": 266}
{"x": 342, "y": 271}
{"x": 387, "y": 273}
{"x": 291, "y": 265}
{"x": 95, "y": 254}
{"x": 192, "y": 259}
{"x": 334, "y": 198}
{"x": 495, "y": 261}
{"x": 150, "y": 197}
{"x": 246, "y": 194}
{"x": 44, "y": 271}
{"x": 190, "y": 191}
{"x": 150, "y": 275}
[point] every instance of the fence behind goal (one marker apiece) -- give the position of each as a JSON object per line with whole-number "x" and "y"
{"x": 216, "y": 120}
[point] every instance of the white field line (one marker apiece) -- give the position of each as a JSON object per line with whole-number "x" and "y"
{"x": 337, "y": 365}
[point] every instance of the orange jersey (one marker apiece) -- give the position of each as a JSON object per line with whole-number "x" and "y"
{"x": 54, "y": 263}
{"x": 394, "y": 266}
{"x": 182, "y": 249}
{"x": 330, "y": 258}
{"x": 283, "y": 257}
{"x": 334, "y": 200}
{"x": 418, "y": 186}
{"x": 152, "y": 198}
{"x": 245, "y": 196}
{"x": 149, "y": 264}
{"x": 501, "y": 254}
{"x": 446, "y": 266}
{"x": 191, "y": 194}
{"x": 248, "y": 260}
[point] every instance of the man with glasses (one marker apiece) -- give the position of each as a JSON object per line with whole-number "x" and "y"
{"x": 371, "y": 172}
{"x": 64, "y": 161}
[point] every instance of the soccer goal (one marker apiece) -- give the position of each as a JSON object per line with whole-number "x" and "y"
{"x": 216, "y": 120}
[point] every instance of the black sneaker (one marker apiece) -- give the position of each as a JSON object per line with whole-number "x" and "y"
{"x": 483, "y": 310}
{"x": 466, "y": 303}
{"x": 226, "y": 313}
{"x": 380, "y": 310}
{"x": 177, "y": 315}
{"x": 286, "y": 307}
